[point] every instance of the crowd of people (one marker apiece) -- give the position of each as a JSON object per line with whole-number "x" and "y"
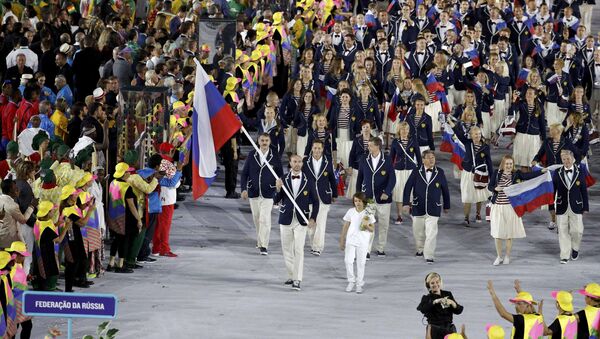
{"x": 351, "y": 96}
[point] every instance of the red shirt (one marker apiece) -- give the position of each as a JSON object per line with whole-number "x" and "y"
{"x": 4, "y": 168}
{"x": 24, "y": 113}
{"x": 8, "y": 117}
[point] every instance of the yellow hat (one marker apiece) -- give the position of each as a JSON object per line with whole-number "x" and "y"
{"x": 256, "y": 55}
{"x": 191, "y": 95}
{"x": 523, "y": 297}
{"x": 494, "y": 332}
{"x": 231, "y": 83}
{"x": 454, "y": 336}
{"x": 19, "y": 247}
{"x": 591, "y": 290}
{"x": 565, "y": 300}
{"x": 84, "y": 197}
{"x": 44, "y": 207}
{"x": 121, "y": 168}
{"x": 265, "y": 50}
{"x": 178, "y": 105}
{"x": 86, "y": 178}
{"x": 66, "y": 192}
{"x": 277, "y": 16}
{"x": 5, "y": 258}
{"x": 238, "y": 54}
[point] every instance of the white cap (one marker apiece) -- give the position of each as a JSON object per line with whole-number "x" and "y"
{"x": 65, "y": 48}
{"x": 26, "y": 76}
{"x": 98, "y": 93}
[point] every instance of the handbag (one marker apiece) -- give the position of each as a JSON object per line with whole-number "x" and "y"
{"x": 488, "y": 211}
{"x": 509, "y": 127}
{"x": 481, "y": 177}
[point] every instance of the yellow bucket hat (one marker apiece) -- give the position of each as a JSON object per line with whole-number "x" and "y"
{"x": 564, "y": 299}
{"x": 231, "y": 83}
{"x": 121, "y": 168}
{"x": 66, "y": 192}
{"x": 494, "y": 332}
{"x": 277, "y": 17}
{"x": 44, "y": 207}
{"x": 19, "y": 247}
{"x": 5, "y": 258}
{"x": 523, "y": 297}
{"x": 591, "y": 290}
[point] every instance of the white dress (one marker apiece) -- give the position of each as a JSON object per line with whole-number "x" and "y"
{"x": 504, "y": 222}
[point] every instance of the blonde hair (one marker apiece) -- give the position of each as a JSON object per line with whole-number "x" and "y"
{"x": 419, "y": 87}
{"x": 504, "y": 159}
{"x": 504, "y": 66}
{"x": 469, "y": 110}
{"x": 557, "y": 126}
{"x": 316, "y": 117}
{"x": 402, "y": 125}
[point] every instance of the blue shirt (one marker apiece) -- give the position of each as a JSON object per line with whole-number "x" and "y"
{"x": 47, "y": 94}
{"x": 66, "y": 93}
{"x": 46, "y": 124}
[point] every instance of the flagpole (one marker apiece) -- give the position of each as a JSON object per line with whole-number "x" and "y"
{"x": 289, "y": 195}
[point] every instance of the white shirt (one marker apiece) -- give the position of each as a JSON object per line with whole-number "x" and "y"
{"x": 263, "y": 157}
{"x": 317, "y": 164}
{"x": 375, "y": 160}
{"x": 26, "y": 138}
{"x": 569, "y": 175}
{"x": 428, "y": 174}
{"x": 296, "y": 182}
{"x": 31, "y": 59}
{"x": 355, "y": 236}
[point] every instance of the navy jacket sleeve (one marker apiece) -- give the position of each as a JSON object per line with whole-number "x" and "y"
{"x": 391, "y": 182}
{"x": 245, "y": 173}
{"x": 359, "y": 178}
{"x": 445, "y": 191}
{"x": 332, "y": 181}
{"x": 408, "y": 187}
{"x": 314, "y": 200}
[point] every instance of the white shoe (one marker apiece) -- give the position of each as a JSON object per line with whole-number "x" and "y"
{"x": 551, "y": 225}
{"x": 506, "y": 261}
{"x": 350, "y": 287}
{"x": 359, "y": 289}
{"x": 498, "y": 261}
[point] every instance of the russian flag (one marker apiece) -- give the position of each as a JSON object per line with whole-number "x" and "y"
{"x": 474, "y": 56}
{"x": 589, "y": 179}
{"x": 370, "y": 19}
{"x": 451, "y": 144}
{"x": 437, "y": 89}
{"x": 531, "y": 194}
{"x": 522, "y": 78}
{"x": 391, "y": 5}
{"x": 213, "y": 124}
{"x": 537, "y": 50}
{"x": 393, "y": 112}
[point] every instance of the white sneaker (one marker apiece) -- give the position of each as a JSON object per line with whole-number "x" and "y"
{"x": 350, "y": 287}
{"x": 551, "y": 225}
{"x": 498, "y": 261}
{"x": 506, "y": 261}
{"x": 359, "y": 289}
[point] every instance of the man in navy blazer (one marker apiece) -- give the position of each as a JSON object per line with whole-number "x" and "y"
{"x": 258, "y": 184}
{"x": 319, "y": 170}
{"x": 419, "y": 59}
{"x": 570, "y": 202}
{"x": 376, "y": 178}
{"x": 428, "y": 186}
{"x": 291, "y": 224}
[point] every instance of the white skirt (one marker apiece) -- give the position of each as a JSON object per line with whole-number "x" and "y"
{"x": 553, "y": 114}
{"x": 486, "y": 129}
{"x": 301, "y": 145}
{"x": 433, "y": 110}
{"x": 351, "y": 188}
{"x": 401, "y": 178}
{"x": 525, "y": 147}
{"x": 455, "y": 97}
{"x": 500, "y": 111}
{"x": 468, "y": 193}
{"x": 291, "y": 137}
{"x": 505, "y": 224}
{"x": 343, "y": 146}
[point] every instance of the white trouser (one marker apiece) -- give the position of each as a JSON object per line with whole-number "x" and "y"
{"x": 586, "y": 15}
{"x": 317, "y": 234}
{"x": 425, "y": 229}
{"x": 570, "y": 231}
{"x": 360, "y": 253}
{"x": 261, "y": 213}
{"x": 292, "y": 245}
{"x": 382, "y": 215}
{"x": 28, "y": 238}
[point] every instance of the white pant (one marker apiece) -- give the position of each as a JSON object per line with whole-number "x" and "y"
{"x": 586, "y": 15}
{"x": 425, "y": 229}
{"x": 261, "y": 213}
{"x": 28, "y": 238}
{"x": 360, "y": 253}
{"x": 292, "y": 245}
{"x": 455, "y": 97}
{"x": 570, "y": 231}
{"x": 382, "y": 215}
{"x": 317, "y": 234}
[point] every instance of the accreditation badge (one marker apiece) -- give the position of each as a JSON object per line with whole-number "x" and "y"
{"x": 382, "y": 172}
{"x": 325, "y": 173}
{"x": 305, "y": 192}
{"x": 577, "y": 183}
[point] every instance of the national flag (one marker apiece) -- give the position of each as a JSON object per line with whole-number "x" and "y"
{"x": 451, "y": 144}
{"x": 529, "y": 195}
{"x": 339, "y": 177}
{"x": 522, "y": 77}
{"x": 392, "y": 113}
{"x": 537, "y": 49}
{"x": 436, "y": 88}
{"x": 71, "y": 9}
{"x": 500, "y": 26}
{"x": 589, "y": 179}
{"x": 213, "y": 123}
{"x": 331, "y": 92}
{"x": 370, "y": 20}
{"x": 474, "y": 56}
{"x": 391, "y": 5}
{"x": 432, "y": 13}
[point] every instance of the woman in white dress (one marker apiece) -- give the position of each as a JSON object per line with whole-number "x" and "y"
{"x": 354, "y": 241}
{"x": 506, "y": 225}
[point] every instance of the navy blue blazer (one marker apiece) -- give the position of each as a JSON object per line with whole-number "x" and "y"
{"x": 473, "y": 161}
{"x": 370, "y": 113}
{"x": 427, "y": 196}
{"x": 578, "y": 141}
{"x": 546, "y": 155}
{"x": 323, "y": 180}
{"x": 357, "y": 152}
{"x": 302, "y": 123}
{"x": 287, "y": 109}
{"x": 306, "y": 196}
{"x": 376, "y": 181}
{"x": 517, "y": 177}
{"x": 256, "y": 178}
{"x": 534, "y": 123}
{"x": 329, "y": 140}
{"x": 405, "y": 158}
{"x": 418, "y": 70}
{"x": 574, "y": 195}
{"x": 423, "y": 129}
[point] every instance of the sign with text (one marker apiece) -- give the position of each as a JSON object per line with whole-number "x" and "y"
{"x": 69, "y": 305}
